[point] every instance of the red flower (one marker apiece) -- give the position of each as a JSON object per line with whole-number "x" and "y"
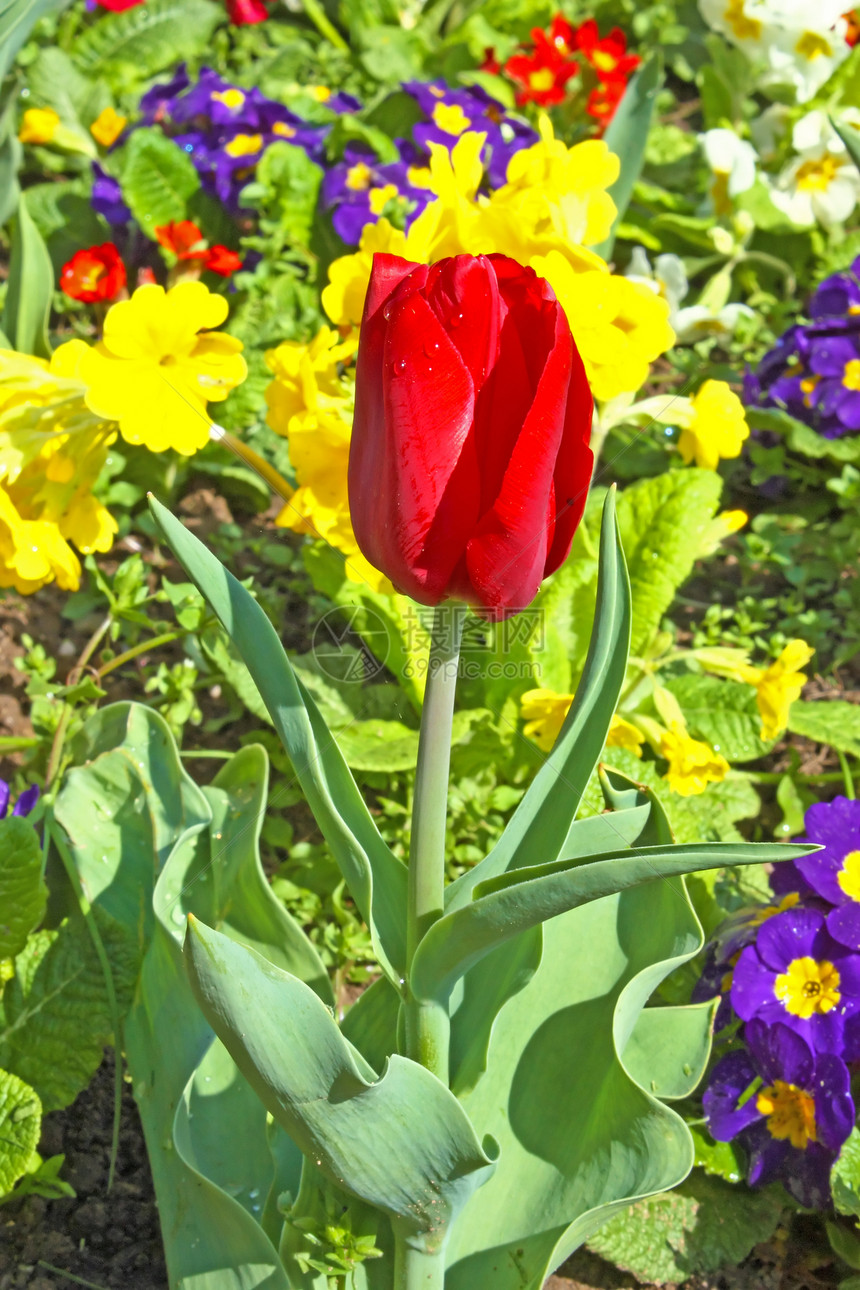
{"x": 608, "y": 56}
{"x": 118, "y": 6}
{"x": 244, "y": 13}
{"x": 94, "y": 274}
{"x": 221, "y": 260}
{"x": 560, "y": 36}
{"x": 543, "y": 75}
{"x": 490, "y": 64}
{"x": 183, "y": 238}
{"x": 852, "y": 34}
{"x": 469, "y": 463}
{"x": 604, "y": 99}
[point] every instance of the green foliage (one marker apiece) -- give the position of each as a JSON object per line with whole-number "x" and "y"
{"x": 145, "y": 39}
{"x": 845, "y": 1177}
{"x": 20, "y": 1125}
{"x": 627, "y": 136}
{"x": 30, "y": 287}
{"x": 22, "y": 890}
{"x": 158, "y": 178}
{"x": 834, "y": 722}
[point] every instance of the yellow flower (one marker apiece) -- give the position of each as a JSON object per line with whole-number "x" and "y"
{"x": 778, "y": 686}
{"x": 623, "y": 734}
{"x": 343, "y": 297}
{"x": 544, "y": 712}
{"x": 712, "y": 426}
{"x": 39, "y": 125}
{"x": 692, "y": 764}
{"x": 108, "y": 126}
{"x": 33, "y": 552}
{"x": 619, "y": 326}
{"x": 154, "y": 372}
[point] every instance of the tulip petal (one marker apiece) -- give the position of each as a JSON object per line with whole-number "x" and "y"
{"x": 387, "y": 272}
{"x": 463, "y": 292}
{"x": 574, "y": 465}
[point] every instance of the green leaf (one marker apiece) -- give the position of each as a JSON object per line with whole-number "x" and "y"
{"x": 10, "y": 155}
{"x": 22, "y": 890}
{"x": 802, "y": 438}
{"x": 20, "y": 1127}
{"x": 702, "y": 1226}
{"x": 662, "y": 522}
{"x": 30, "y": 287}
{"x": 157, "y": 177}
{"x": 376, "y": 879}
{"x": 400, "y": 1142}
{"x": 285, "y": 188}
{"x": 845, "y": 1244}
{"x": 846, "y": 133}
{"x": 510, "y": 903}
{"x": 544, "y": 813}
{"x": 54, "y": 1016}
{"x": 723, "y": 713}
{"x": 627, "y": 136}
{"x": 845, "y": 1177}
{"x": 54, "y": 80}
{"x": 145, "y": 39}
{"x": 669, "y": 1049}
{"x": 17, "y": 20}
{"x": 829, "y": 721}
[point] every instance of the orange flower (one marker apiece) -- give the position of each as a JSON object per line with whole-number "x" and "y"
{"x": 183, "y": 238}
{"x": 221, "y": 260}
{"x": 604, "y": 99}
{"x": 94, "y": 274}
{"x": 608, "y": 56}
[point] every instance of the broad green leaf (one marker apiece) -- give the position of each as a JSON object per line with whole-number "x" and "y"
{"x": 146, "y": 39}
{"x": 157, "y": 177}
{"x": 627, "y": 136}
{"x": 723, "y": 713}
{"x": 54, "y": 1016}
{"x": 22, "y": 890}
{"x": 844, "y": 1243}
{"x": 17, "y": 19}
{"x": 801, "y": 437}
{"x": 10, "y": 155}
{"x": 376, "y": 879}
{"x": 400, "y": 1142}
{"x": 832, "y": 722}
{"x": 704, "y": 1225}
{"x": 552, "y": 800}
{"x": 662, "y": 522}
{"x": 285, "y": 189}
{"x": 20, "y": 1126}
{"x": 669, "y": 1049}
{"x": 63, "y": 213}
{"x": 845, "y": 1176}
{"x": 513, "y": 902}
{"x": 55, "y": 82}
{"x": 721, "y": 1159}
{"x": 30, "y": 287}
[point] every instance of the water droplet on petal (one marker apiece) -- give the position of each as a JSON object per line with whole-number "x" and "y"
{"x": 430, "y": 347}
{"x": 400, "y": 367}
{"x": 455, "y": 319}
{"x": 386, "y": 312}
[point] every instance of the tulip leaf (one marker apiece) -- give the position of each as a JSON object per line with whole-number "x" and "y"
{"x": 549, "y": 807}
{"x": 17, "y": 20}
{"x": 10, "y": 156}
{"x": 513, "y": 902}
{"x": 376, "y": 879}
{"x": 668, "y": 1051}
{"x": 400, "y": 1142}
{"x": 848, "y": 135}
{"x": 627, "y": 136}
{"x": 30, "y": 287}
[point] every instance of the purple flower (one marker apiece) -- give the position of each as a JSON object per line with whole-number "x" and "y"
{"x": 451, "y": 112}
{"x": 25, "y": 803}
{"x": 832, "y": 874}
{"x": 107, "y": 198}
{"x": 813, "y": 371}
{"x": 789, "y": 1107}
{"x": 359, "y": 188}
{"x": 796, "y": 973}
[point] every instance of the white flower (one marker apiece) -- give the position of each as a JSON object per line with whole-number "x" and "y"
{"x": 698, "y": 321}
{"x": 667, "y": 278}
{"x": 823, "y": 183}
{"x": 733, "y": 163}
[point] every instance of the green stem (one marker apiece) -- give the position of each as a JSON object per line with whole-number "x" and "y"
{"x": 273, "y": 478}
{"x": 427, "y": 1025}
{"x": 318, "y": 17}
{"x": 846, "y": 774}
{"x": 56, "y": 753}
{"x": 415, "y": 1270}
{"x": 144, "y": 647}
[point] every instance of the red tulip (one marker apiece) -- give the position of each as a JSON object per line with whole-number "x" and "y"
{"x": 244, "y": 13}
{"x": 469, "y": 463}
{"x": 94, "y": 274}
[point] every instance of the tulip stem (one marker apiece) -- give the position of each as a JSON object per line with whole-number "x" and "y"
{"x": 428, "y": 1025}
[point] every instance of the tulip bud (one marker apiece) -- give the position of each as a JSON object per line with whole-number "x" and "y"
{"x": 469, "y": 462}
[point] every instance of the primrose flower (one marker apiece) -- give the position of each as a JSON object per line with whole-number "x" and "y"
{"x": 24, "y": 804}
{"x": 451, "y": 113}
{"x": 544, "y": 712}
{"x": 108, "y": 126}
{"x": 94, "y": 274}
{"x": 733, "y": 164}
{"x": 822, "y": 184}
{"x": 778, "y": 686}
{"x": 832, "y": 874}
{"x": 542, "y": 74}
{"x": 38, "y": 125}
{"x": 800, "y": 45}
{"x": 713, "y": 425}
{"x": 106, "y": 198}
{"x": 185, "y": 240}
{"x": 788, "y": 1106}
{"x": 358, "y": 189}
{"x": 693, "y": 765}
{"x": 667, "y": 277}
{"x": 796, "y": 973}
{"x": 158, "y": 365}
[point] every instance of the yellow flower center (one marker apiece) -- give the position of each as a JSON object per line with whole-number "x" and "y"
{"x": 321, "y": 93}
{"x": 542, "y": 79}
{"x": 286, "y": 131}
{"x": 720, "y": 192}
{"x": 603, "y": 61}
{"x": 808, "y": 385}
{"x": 743, "y": 27}
{"x": 849, "y": 875}
{"x": 358, "y": 177}
{"x": 817, "y": 175}
{"x": 851, "y": 379}
{"x": 790, "y": 1113}
{"x": 380, "y": 197}
{"x": 812, "y": 45}
{"x": 244, "y": 145}
{"x": 232, "y": 98}
{"x": 769, "y": 911}
{"x": 451, "y": 118}
{"x": 808, "y": 986}
{"x": 38, "y": 125}
{"x": 419, "y": 176}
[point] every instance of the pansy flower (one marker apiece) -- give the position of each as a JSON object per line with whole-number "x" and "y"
{"x": 25, "y": 803}
{"x": 797, "y": 974}
{"x": 789, "y": 1107}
